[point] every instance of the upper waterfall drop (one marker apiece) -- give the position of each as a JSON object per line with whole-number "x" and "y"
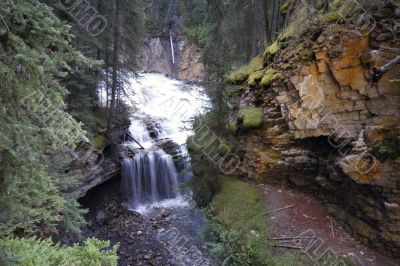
{"x": 162, "y": 108}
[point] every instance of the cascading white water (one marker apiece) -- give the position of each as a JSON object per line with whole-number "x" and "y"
{"x": 163, "y": 106}
{"x": 149, "y": 178}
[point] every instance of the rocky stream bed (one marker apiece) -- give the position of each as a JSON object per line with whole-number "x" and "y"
{"x": 159, "y": 236}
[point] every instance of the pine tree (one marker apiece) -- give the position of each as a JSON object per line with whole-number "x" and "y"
{"x": 35, "y": 55}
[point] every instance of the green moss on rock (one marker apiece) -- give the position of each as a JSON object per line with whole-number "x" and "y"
{"x": 252, "y": 117}
{"x": 270, "y": 76}
{"x": 330, "y": 17}
{"x": 243, "y": 73}
{"x": 285, "y": 7}
{"x": 256, "y": 64}
{"x": 272, "y": 49}
{"x": 99, "y": 142}
{"x": 231, "y": 128}
{"x": 254, "y": 77}
{"x": 238, "y": 76}
{"x": 288, "y": 32}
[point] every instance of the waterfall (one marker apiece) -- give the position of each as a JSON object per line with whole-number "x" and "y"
{"x": 158, "y": 125}
{"x": 172, "y": 47}
{"x": 149, "y": 178}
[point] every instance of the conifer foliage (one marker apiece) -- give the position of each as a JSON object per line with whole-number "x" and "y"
{"x": 35, "y": 55}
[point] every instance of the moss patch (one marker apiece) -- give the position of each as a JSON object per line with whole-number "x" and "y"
{"x": 231, "y": 128}
{"x": 256, "y": 64}
{"x": 239, "y": 203}
{"x": 288, "y": 32}
{"x": 285, "y": 7}
{"x": 272, "y": 49}
{"x": 99, "y": 142}
{"x": 238, "y": 229}
{"x": 238, "y": 76}
{"x": 240, "y": 208}
{"x": 254, "y": 77}
{"x": 330, "y": 17}
{"x": 252, "y": 117}
{"x": 243, "y": 73}
{"x": 270, "y": 76}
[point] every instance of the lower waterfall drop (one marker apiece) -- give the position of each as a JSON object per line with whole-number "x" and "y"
{"x": 149, "y": 178}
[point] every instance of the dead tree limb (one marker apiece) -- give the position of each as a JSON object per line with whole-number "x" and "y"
{"x": 284, "y": 246}
{"x": 281, "y": 209}
{"x": 378, "y": 72}
{"x": 290, "y": 238}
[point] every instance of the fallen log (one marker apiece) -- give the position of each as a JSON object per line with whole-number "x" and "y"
{"x": 290, "y": 238}
{"x": 285, "y": 246}
{"x": 282, "y": 209}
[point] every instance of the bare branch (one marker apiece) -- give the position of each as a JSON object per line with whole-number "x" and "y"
{"x": 379, "y": 71}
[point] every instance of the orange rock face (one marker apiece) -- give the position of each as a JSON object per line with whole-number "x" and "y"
{"x": 329, "y": 128}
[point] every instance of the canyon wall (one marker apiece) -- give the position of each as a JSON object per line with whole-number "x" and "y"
{"x": 96, "y": 164}
{"x": 157, "y": 57}
{"x": 330, "y": 123}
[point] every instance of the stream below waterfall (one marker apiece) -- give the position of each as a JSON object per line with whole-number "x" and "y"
{"x": 148, "y": 210}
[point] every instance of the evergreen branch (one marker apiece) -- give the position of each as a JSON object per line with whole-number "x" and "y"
{"x": 8, "y": 29}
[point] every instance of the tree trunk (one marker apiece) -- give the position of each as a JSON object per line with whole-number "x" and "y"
{"x": 273, "y": 18}
{"x": 266, "y": 21}
{"x": 258, "y": 33}
{"x": 278, "y": 19}
{"x": 115, "y": 65}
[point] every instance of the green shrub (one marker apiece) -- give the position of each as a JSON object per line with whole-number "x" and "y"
{"x": 199, "y": 35}
{"x": 34, "y": 252}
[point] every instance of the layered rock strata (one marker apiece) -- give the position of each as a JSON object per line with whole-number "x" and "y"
{"x": 330, "y": 126}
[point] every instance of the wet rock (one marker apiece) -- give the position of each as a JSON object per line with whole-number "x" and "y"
{"x": 165, "y": 213}
{"x": 384, "y": 37}
{"x": 100, "y": 217}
